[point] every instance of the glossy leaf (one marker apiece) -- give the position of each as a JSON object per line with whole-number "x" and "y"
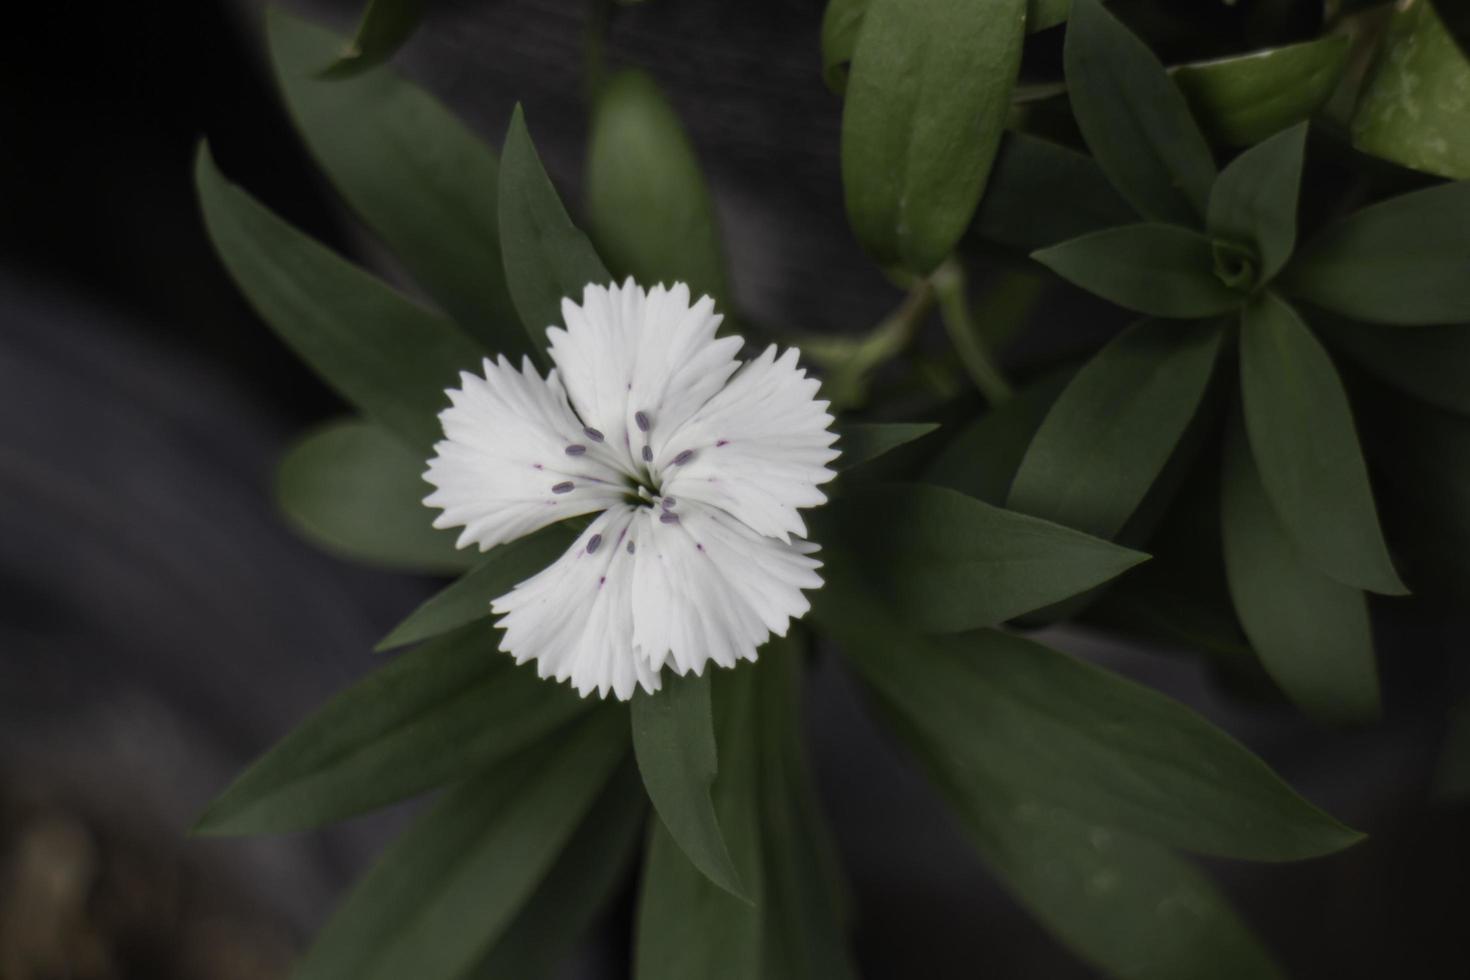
{"x": 1430, "y": 363}
{"x": 648, "y": 207}
{"x": 1311, "y": 632}
{"x": 352, "y": 488}
{"x": 1016, "y": 718}
{"x": 1156, "y": 269}
{"x": 674, "y": 740}
{"x": 1041, "y": 193}
{"x": 385, "y": 25}
{"x": 447, "y": 710}
{"x": 1306, "y": 447}
{"x": 1134, "y": 119}
{"x": 546, "y": 257}
{"x": 1109, "y": 435}
{"x": 419, "y": 178}
{"x": 469, "y": 597}
{"x": 1242, "y": 99}
{"x": 1399, "y": 261}
{"x": 948, "y": 562}
{"x": 445, "y": 891}
{"x": 1254, "y": 199}
{"x": 863, "y": 442}
{"x": 926, "y": 103}
{"x": 1415, "y": 101}
{"x": 386, "y": 355}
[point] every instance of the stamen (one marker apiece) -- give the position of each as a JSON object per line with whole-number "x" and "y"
{"x": 564, "y": 487}
{"x": 592, "y": 433}
{"x": 684, "y": 457}
{"x": 721, "y": 442}
{"x": 668, "y": 517}
{"x": 641, "y": 418}
{"x": 575, "y": 450}
{"x": 669, "y": 503}
{"x": 631, "y": 549}
{"x": 647, "y": 454}
{"x": 593, "y": 544}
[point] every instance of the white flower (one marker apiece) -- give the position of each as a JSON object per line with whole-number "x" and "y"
{"x": 696, "y": 468}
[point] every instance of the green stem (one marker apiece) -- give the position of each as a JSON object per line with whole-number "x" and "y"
{"x": 965, "y": 335}
{"x": 846, "y": 384}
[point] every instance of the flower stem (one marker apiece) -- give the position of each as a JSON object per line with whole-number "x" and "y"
{"x": 965, "y": 335}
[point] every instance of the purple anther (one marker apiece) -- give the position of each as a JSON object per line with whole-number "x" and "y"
{"x": 592, "y": 433}
{"x": 631, "y": 549}
{"x": 575, "y": 450}
{"x": 668, "y": 517}
{"x": 593, "y": 544}
{"x": 684, "y": 457}
{"x": 564, "y": 487}
{"x": 647, "y": 454}
{"x": 641, "y": 418}
{"x": 721, "y": 442}
{"x": 668, "y": 503}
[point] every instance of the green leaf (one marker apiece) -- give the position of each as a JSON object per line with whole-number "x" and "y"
{"x": 926, "y": 104}
{"x": 1311, "y": 632}
{"x": 841, "y": 23}
{"x": 674, "y": 740}
{"x": 1400, "y": 261}
{"x": 863, "y": 442}
{"x": 948, "y": 562}
{"x": 1041, "y": 193}
{"x": 648, "y": 207}
{"x": 1430, "y": 363}
{"x": 1253, "y": 202}
{"x": 385, "y": 25}
{"x": 447, "y": 710}
{"x": 1304, "y": 442}
{"x": 1109, "y": 435}
{"x": 422, "y": 181}
{"x": 1041, "y": 14}
{"x": 1243, "y": 99}
{"x": 1134, "y": 119}
{"x": 444, "y": 892}
{"x": 1155, "y": 269}
{"x": 353, "y": 489}
{"x": 581, "y": 883}
{"x": 389, "y": 357}
{"x": 468, "y": 598}
{"x": 547, "y": 258}
{"x": 1013, "y": 717}
{"x": 1415, "y": 103}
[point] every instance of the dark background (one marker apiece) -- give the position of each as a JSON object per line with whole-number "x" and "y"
{"x": 159, "y": 627}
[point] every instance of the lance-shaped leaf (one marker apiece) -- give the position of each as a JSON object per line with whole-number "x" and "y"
{"x": 547, "y": 258}
{"x": 445, "y": 711}
{"x": 421, "y": 180}
{"x": 1017, "y": 718}
{"x": 648, "y": 207}
{"x": 1306, "y": 448}
{"x": 354, "y": 489}
{"x": 1311, "y": 632}
{"x": 1253, "y": 202}
{"x": 444, "y": 892}
{"x": 468, "y": 598}
{"x": 1154, "y": 268}
{"x": 385, "y": 25}
{"x": 1242, "y": 99}
{"x": 1399, "y": 261}
{"x": 674, "y": 740}
{"x": 386, "y": 355}
{"x": 862, "y": 442}
{"x": 1430, "y": 363}
{"x": 1134, "y": 119}
{"x": 926, "y": 103}
{"x": 1107, "y": 438}
{"x": 949, "y": 562}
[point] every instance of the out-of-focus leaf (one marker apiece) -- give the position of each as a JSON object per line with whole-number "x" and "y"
{"x": 926, "y": 104}
{"x": 468, "y": 598}
{"x": 422, "y": 181}
{"x": 547, "y": 258}
{"x": 1414, "y": 108}
{"x": 447, "y": 710}
{"x": 579, "y": 885}
{"x": 648, "y": 207}
{"x": 1242, "y": 99}
{"x": 386, "y": 355}
{"x": 1399, "y": 261}
{"x": 443, "y": 894}
{"x": 674, "y": 740}
{"x": 862, "y": 442}
{"x": 1108, "y": 436}
{"x": 1311, "y": 632}
{"x": 1134, "y": 119}
{"x": 1014, "y": 718}
{"x": 385, "y": 25}
{"x": 1253, "y": 202}
{"x": 1306, "y": 448}
{"x": 1431, "y": 363}
{"x": 948, "y": 562}
{"x": 841, "y": 24}
{"x": 1157, "y": 269}
{"x": 352, "y": 488}
{"x": 1041, "y": 193}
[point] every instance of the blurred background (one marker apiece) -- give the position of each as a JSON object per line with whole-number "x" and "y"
{"x": 160, "y": 626}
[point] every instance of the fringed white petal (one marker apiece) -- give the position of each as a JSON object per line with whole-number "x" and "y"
{"x": 575, "y": 618}
{"x": 758, "y": 449}
{"x": 515, "y": 459}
